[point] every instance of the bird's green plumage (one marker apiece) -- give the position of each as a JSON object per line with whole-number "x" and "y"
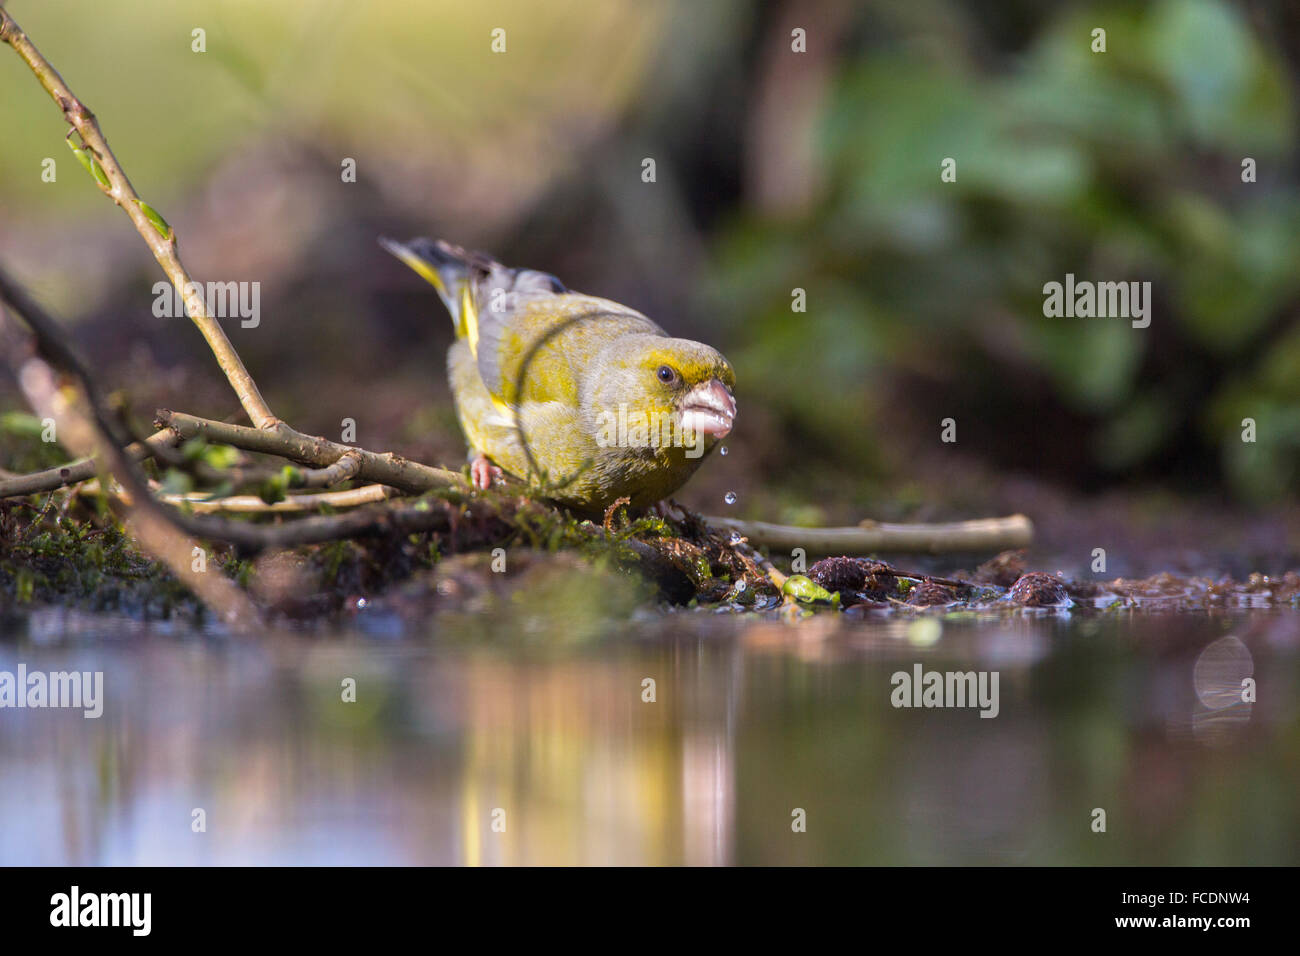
{"x": 537, "y": 371}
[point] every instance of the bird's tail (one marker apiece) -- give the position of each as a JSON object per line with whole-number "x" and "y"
{"x": 449, "y": 269}
{"x": 465, "y": 280}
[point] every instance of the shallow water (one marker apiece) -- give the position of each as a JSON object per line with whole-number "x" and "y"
{"x": 754, "y": 720}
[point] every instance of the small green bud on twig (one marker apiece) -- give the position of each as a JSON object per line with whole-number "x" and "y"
{"x": 87, "y": 159}
{"x": 273, "y": 489}
{"x": 155, "y": 218}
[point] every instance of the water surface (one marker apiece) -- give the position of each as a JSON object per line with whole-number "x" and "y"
{"x": 455, "y": 727}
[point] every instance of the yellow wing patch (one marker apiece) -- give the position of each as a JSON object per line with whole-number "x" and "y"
{"x": 468, "y": 319}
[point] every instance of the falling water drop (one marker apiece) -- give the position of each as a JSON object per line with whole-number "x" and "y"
{"x": 729, "y": 497}
{"x": 722, "y": 450}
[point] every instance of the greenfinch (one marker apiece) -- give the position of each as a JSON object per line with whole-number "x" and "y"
{"x": 586, "y": 399}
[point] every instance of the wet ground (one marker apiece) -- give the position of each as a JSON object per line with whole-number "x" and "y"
{"x": 502, "y": 734}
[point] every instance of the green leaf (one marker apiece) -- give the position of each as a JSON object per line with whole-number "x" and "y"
{"x": 88, "y": 160}
{"x": 83, "y": 157}
{"x": 221, "y": 456}
{"x": 193, "y": 449}
{"x": 177, "y": 483}
{"x": 21, "y": 423}
{"x": 223, "y": 490}
{"x": 806, "y": 591}
{"x": 97, "y": 171}
{"x": 154, "y": 217}
{"x": 273, "y": 489}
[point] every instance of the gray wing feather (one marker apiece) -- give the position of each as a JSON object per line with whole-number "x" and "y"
{"x": 499, "y": 292}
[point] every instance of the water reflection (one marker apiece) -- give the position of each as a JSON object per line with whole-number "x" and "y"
{"x": 456, "y": 751}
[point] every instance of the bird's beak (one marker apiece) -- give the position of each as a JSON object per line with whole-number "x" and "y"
{"x": 709, "y": 409}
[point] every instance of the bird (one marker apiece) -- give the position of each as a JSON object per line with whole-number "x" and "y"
{"x": 586, "y": 400}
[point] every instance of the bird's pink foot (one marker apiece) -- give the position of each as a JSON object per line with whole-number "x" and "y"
{"x": 482, "y": 472}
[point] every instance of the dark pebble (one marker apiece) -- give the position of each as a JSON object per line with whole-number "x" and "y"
{"x": 1038, "y": 589}
{"x": 846, "y": 574}
{"x": 928, "y": 593}
{"x": 838, "y": 574}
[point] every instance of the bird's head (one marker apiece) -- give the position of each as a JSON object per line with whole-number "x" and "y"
{"x": 675, "y": 383}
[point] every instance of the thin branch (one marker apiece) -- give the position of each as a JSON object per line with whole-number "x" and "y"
{"x": 160, "y": 237}
{"x": 83, "y": 469}
{"x": 345, "y": 469}
{"x": 385, "y": 469}
{"x": 251, "y": 504}
{"x": 985, "y": 534}
{"x": 243, "y": 477}
{"x": 317, "y": 530}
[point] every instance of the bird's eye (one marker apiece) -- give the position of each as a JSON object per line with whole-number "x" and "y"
{"x": 667, "y": 374}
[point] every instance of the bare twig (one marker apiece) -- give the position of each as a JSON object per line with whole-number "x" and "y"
{"x": 80, "y": 470}
{"x": 346, "y": 468}
{"x": 243, "y": 476}
{"x": 160, "y": 237}
{"x": 985, "y": 534}
{"x": 386, "y": 469}
{"x": 317, "y": 530}
{"x": 292, "y": 504}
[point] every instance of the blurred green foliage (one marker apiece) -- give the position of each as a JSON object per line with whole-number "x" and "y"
{"x": 1117, "y": 166}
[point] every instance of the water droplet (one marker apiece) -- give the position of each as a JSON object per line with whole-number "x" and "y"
{"x": 736, "y": 537}
{"x": 722, "y": 450}
{"x": 729, "y": 497}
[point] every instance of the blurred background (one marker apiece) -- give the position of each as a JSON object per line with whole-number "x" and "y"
{"x": 775, "y": 170}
